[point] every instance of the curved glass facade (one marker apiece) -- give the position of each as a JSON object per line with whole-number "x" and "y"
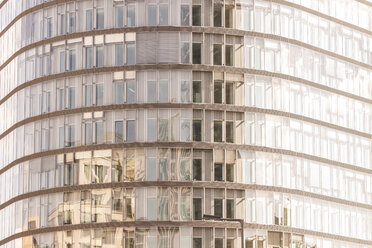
{"x": 125, "y": 122}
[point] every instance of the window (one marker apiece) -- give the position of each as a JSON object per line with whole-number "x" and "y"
{"x": 70, "y": 136}
{"x": 151, "y": 169}
{"x": 119, "y": 16}
{"x": 100, "y": 18}
{"x": 49, "y": 27}
{"x": 71, "y": 62}
{"x": 71, "y": 97}
{"x": 71, "y": 22}
{"x": 218, "y": 91}
{"x": 130, "y": 91}
{"x": 99, "y": 56}
{"x": 163, "y": 91}
{"x": 61, "y": 24}
{"x": 119, "y": 54}
{"x": 230, "y": 172}
{"x": 229, "y": 131}
{"x": 163, "y": 130}
{"x": 131, "y": 15}
{"x": 151, "y": 91}
{"x": 229, "y": 93}
{"x": 196, "y": 53}
{"x": 151, "y": 126}
{"x": 163, "y": 169}
{"x": 185, "y": 91}
{"x": 99, "y": 132}
{"x": 151, "y": 15}
{"x": 196, "y": 15}
{"x": 228, "y": 16}
{"x": 217, "y": 131}
{"x": 217, "y": 15}
{"x": 99, "y": 94}
{"x": 88, "y": 95}
{"x": 130, "y": 52}
{"x": 88, "y": 57}
{"x": 119, "y": 90}
{"x": 61, "y": 138}
{"x": 196, "y": 91}
{"x": 61, "y": 99}
{"x": 197, "y": 208}
{"x": 88, "y": 133}
{"x": 62, "y": 61}
{"x": 218, "y": 208}
{"x": 185, "y": 53}
{"x": 88, "y": 19}
{"x": 197, "y": 169}
{"x": 185, "y": 130}
{"x": 230, "y": 208}
{"x": 118, "y": 131}
{"x": 196, "y": 130}
{"x": 218, "y": 172}
{"x": 163, "y": 14}
{"x": 217, "y": 54}
{"x": 229, "y": 55}
{"x": 185, "y": 15}
{"x": 130, "y": 134}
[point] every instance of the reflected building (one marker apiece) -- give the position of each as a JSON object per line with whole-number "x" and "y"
{"x": 124, "y": 122}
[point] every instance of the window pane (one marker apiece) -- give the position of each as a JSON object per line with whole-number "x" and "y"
{"x": 99, "y": 56}
{"x": 196, "y": 53}
{"x": 131, "y": 131}
{"x": 151, "y": 126}
{"x": 197, "y": 243}
{"x": 71, "y": 97}
{"x": 229, "y": 93}
{"x": 62, "y": 61}
{"x": 197, "y": 169}
{"x": 185, "y": 91}
{"x": 196, "y": 15}
{"x": 218, "y": 243}
{"x": 119, "y": 16}
{"x": 229, "y": 208}
{"x": 88, "y": 57}
{"x": 61, "y": 137}
{"x": 151, "y": 91}
{"x": 99, "y": 132}
{"x": 228, "y": 16}
{"x": 130, "y": 90}
{"x": 185, "y": 130}
{"x": 118, "y": 131}
{"x": 99, "y": 94}
{"x": 163, "y": 169}
{"x": 229, "y": 131}
{"x": 217, "y": 16}
{"x": 218, "y": 172}
{"x": 163, "y": 130}
{"x": 163, "y": 14}
{"x": 218, "y": 92}
{"x": 61, "y": 25}
{"x": 88, "y": 95}
{"x": 151, "y": 169}
{"x": 217, "y": 54}
{"x": 119, "y": 54}
{"x": 71, "y": 60}
{"x": 130, "y": 54}
{"x": 151, "y": 209}
{"x": 119, "y": 90}
{"x": 217, "y": 131}
{"x": 185, "y": 170}
{"x": 197, "y": 208}
{"x": 185, "y": 53}
{"x": 230, "y": 172}
{"x": 196, "y": 91}
{"x": 117, "y": 166}
{"x": 196, "y": 130}
{"x": 131, "y": 16}
{"x": 185, "y": 15}
{"x": 151, "y": 15}
{"x": 89, "y": 20}
{"x": 163, "y": 91}
{"x": 71, "y": 22}
{"x": 100, "y": 18}
{"x": 218, "y": 208}
{"x": 229, "y": 55}
{"x": 163, "y": 208}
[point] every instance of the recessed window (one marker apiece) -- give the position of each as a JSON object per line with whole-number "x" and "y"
{"x": 217, "y": 54}
{"x": 100, "y": 21}
{"x": 229, "y": 55}
{"x": 217, "y": 131}
{"x": 196, "y": 91}
{"x": 217, "y": 91}
{"x": 197, "y": 208}
{"x": 118, "y": 131}
{"x": 229, "y": 208}
{"x": 217, "y": 15}
{"x": 196, "y": 15}
{"x": 230, "y": 172}
{"x": 228, "y": 16}
{"x": 196, "y": 53}
{"x": 218, "y": 172}
{"x": 229, "y": 131}
{"x": 229, "y": 93}
{"x": 197, "y": 169}
{"x": 119, "y": 54}
{"x": 218, "y": 208}
{"x": 130, "y": 91}
{"x": 151, "y": 15}
{"x": 131, "y": 15}
{"x": 163, "y": 14}
{"x": 196, "y": 130}
{"x": 185, "y": 15}
{"x": 119, "y": 16}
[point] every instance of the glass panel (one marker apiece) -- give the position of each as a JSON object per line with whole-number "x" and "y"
{"x": 185, "y": 130}
{"x": 88, "y": 95}
{"x": 218, "y": 172}
{"x": 151, "y": 126}
{"x": 119, "y": 54}
{"x": 217, "y": 15}
{"x": 151, "y": 15}
{"x": 131, "y": 131}
{"x": 196, "y": 53}
{"x": 129, "y": 168}
{"x": 230, "y": 172}
{"x": 88, "y": 19}
{"x": 197, "y": 169}
{"x": 196, "y": 91}
{"x": 71, "y": 97}
{"x": 118, "y": 131}
{"x": 119, "y": 90}
{"x": 61, "y": 25}
{"x": 163, "y": 91}
{"x": 151, "y": 208}
{"x": 151, "y": 169}
{"x": 88, "y": 57}
{"x": 100, "y": 170}
{"x": 117, "y": 165}
{"x": 119, "y": 16}
{"x": 228, "y": 16}
{"x": 130, "y": 54}
{"x": 185, "y": 91}
{"x": 99, "y": 132}
{"x": 130, "y": 91}
{"x": 218, "y": 91}
{"x": 218, "y": 243}
{"x": 100, "y": 18}
{"x": 99, "y": 94}
{"x": 99, "y": 56}
{"x": 185, "y": 15}
{"x": 88, "y": 133}
{"x": 197, "y": 208}
{"x": 229, "y": 93}
{"x": 218, "y": 207}
{"x": 71, "y": 22}
{"x": 163, "y": 130}
{"x": 163, "y": 14}
{"x": 163, "y": 169}
{"x": 185, "y": 53}
{"x": 229, "y": 55}
{"x": 217, "y": 54}
{"x": 217, "y": 131}
{"x": 196, "y": 130}
{"x": 229, "y": 208}
{"x": 131, "y": 15}
{"x": 229, "y": 132}
{"x": 62, "y": 61}
{"x": 151, "y": 91}
{"x": 185, "y": 170}
{"x": 196, "y": 15}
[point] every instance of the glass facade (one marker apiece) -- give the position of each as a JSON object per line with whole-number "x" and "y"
{"x": 124, "y": 122}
